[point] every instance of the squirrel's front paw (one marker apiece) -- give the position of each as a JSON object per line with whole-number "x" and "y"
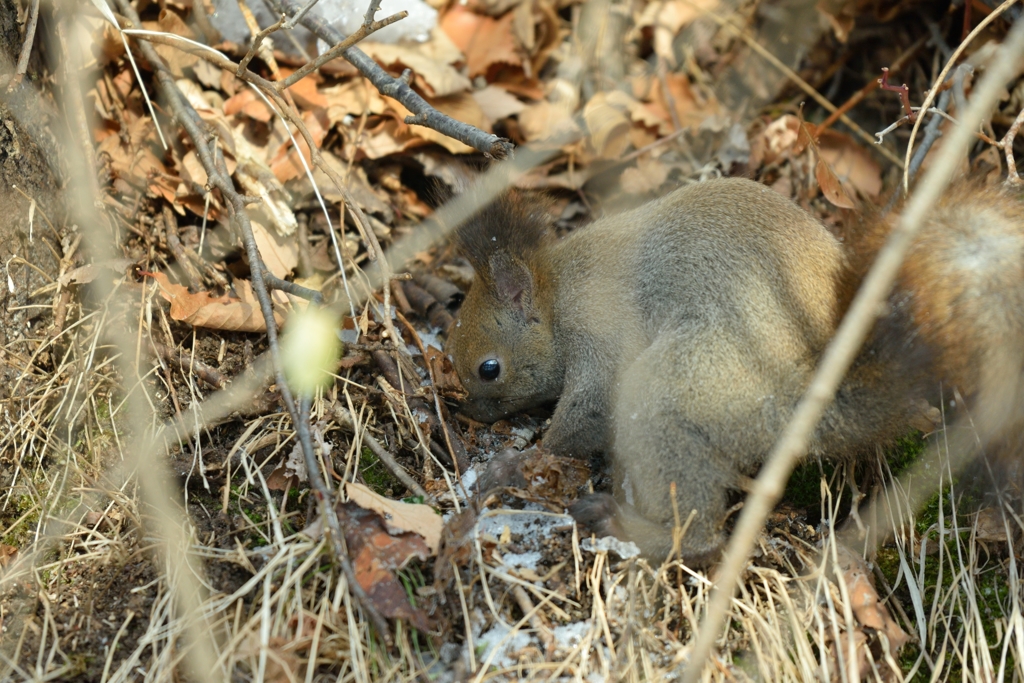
{"x": 505, "y": 469}
{"x": 599, "y": 513}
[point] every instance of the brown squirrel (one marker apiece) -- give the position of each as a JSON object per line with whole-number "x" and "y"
{"x": 679, "y": 336}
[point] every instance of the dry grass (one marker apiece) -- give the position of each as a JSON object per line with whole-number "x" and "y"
{"x": 88, "y": 598}
{"x": 106, "y": 579}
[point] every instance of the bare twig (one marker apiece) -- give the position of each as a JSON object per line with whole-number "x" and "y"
{"x": 336, "y": 51}
{"x": 187, "y": 117}
{"x": 256, "y": 42}
{"x": 840, "y": 353}
{"x": 308, "y": 6}
{"x": 743, "y": 34}
{"x": 422, "y": 113}
{"x": 30, "y": 36}
{"x": 1012, "y": 178}
{"x": 931, "y": 134}
{"x": 345, "y": 419}
{"x": 873, "y": 85}
{"x": 333, "y": 524}
{"x": 903, "y": 90}
{"x": 941, "y": 79}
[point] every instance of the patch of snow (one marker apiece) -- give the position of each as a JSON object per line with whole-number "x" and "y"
{"x": 504, "y": 644}
{"x": 527, "y": 523}
{"x": 610, "y": 544}
{"x": 526, "y": 560}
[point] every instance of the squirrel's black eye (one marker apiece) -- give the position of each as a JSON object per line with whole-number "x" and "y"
{"x": 489, "y": 370}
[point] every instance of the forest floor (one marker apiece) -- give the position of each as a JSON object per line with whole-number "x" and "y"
{"x": 159, "y": 517}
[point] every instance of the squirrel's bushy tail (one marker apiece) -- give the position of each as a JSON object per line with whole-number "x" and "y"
{"x": 954, "y": 324}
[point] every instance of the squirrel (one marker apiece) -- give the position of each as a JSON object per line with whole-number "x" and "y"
{"x": 678, "y": 337}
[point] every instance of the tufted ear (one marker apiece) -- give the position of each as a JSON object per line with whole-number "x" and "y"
{"x": 513, "y": 283}
{"x": 512, "y": 224}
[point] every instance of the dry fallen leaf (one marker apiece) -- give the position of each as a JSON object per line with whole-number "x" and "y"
{"x": 487, "y": 43}
{"x": 377, "y": 554}
{"x": 647, "y": 177}
{"x": 433, "y": 77}
{"x": 8, "y": 553}
{"x": 851, "y": 162}
{"x": 417, "y": 518}
{"x": 867, "y": 607}
{"x": 306, "y": 94}
{"x": 202, "y": 309}
{"x": 666, "y": 18}
{"x": 280, "y": 254}
{"x": 497, "y": 103}
{"x": 544, "y": 119}
{"x": 830, "y": 185}
{"x": 446, "y": 380}
{"x": 608, "y": 124}
{"x": 248, "y": 103}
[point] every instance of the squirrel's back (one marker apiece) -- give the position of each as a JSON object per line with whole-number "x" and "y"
{"x": 730, "y": 249}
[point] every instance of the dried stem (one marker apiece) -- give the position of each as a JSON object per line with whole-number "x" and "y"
{"x": 941, "y": 79}
{"x": 189, "y": 119}
{"x": 256, "y": 42}
{"x": 422, "y": 113}
{"x": 30, "y": 36}
{"x": 1012, "y": 178}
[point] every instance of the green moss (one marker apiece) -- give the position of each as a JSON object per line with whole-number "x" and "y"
{"x": 375, "y": 474}
{"x": 21, "y": 533}
{"x": 804, "y": 487}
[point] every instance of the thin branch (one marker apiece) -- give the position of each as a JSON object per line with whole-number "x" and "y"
{"x": 256, "y": 42}
{"x": 333, "y": 524}
{"x": 941, "y": 79}
{"x": 189, "y": 119}
{"x": 30, "y": 36}
{"x": 873, "y": 85}
{"x": 770, "y": 483}
{"x": 1012, "y": 178}
{"x": 338, "y": 49}
{"x": 743, "y": 34}
{"x": 345, "y": 419}
{"x": 422, "y": 113}
{"x": 308, "y": 6}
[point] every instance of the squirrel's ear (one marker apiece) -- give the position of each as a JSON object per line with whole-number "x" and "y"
{"x": 513, "y": 283}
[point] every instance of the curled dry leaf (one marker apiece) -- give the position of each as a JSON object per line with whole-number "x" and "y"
{"x": 830, "y": 185}
{"x": 446, "y": 380}
{"x": 609, "y": 124}
{"x": 8, "y": 553}
{"x": 989, "y": 525}
{"x": 680, "y": 98}
{"x": 852, "y": 163}
{"x": 487, "y": 43}
{"x": 779, "y": 139}
{"x": 872, "y": 615}
{"x": 202, "y": 309}
{"x": 417, "y": 518}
